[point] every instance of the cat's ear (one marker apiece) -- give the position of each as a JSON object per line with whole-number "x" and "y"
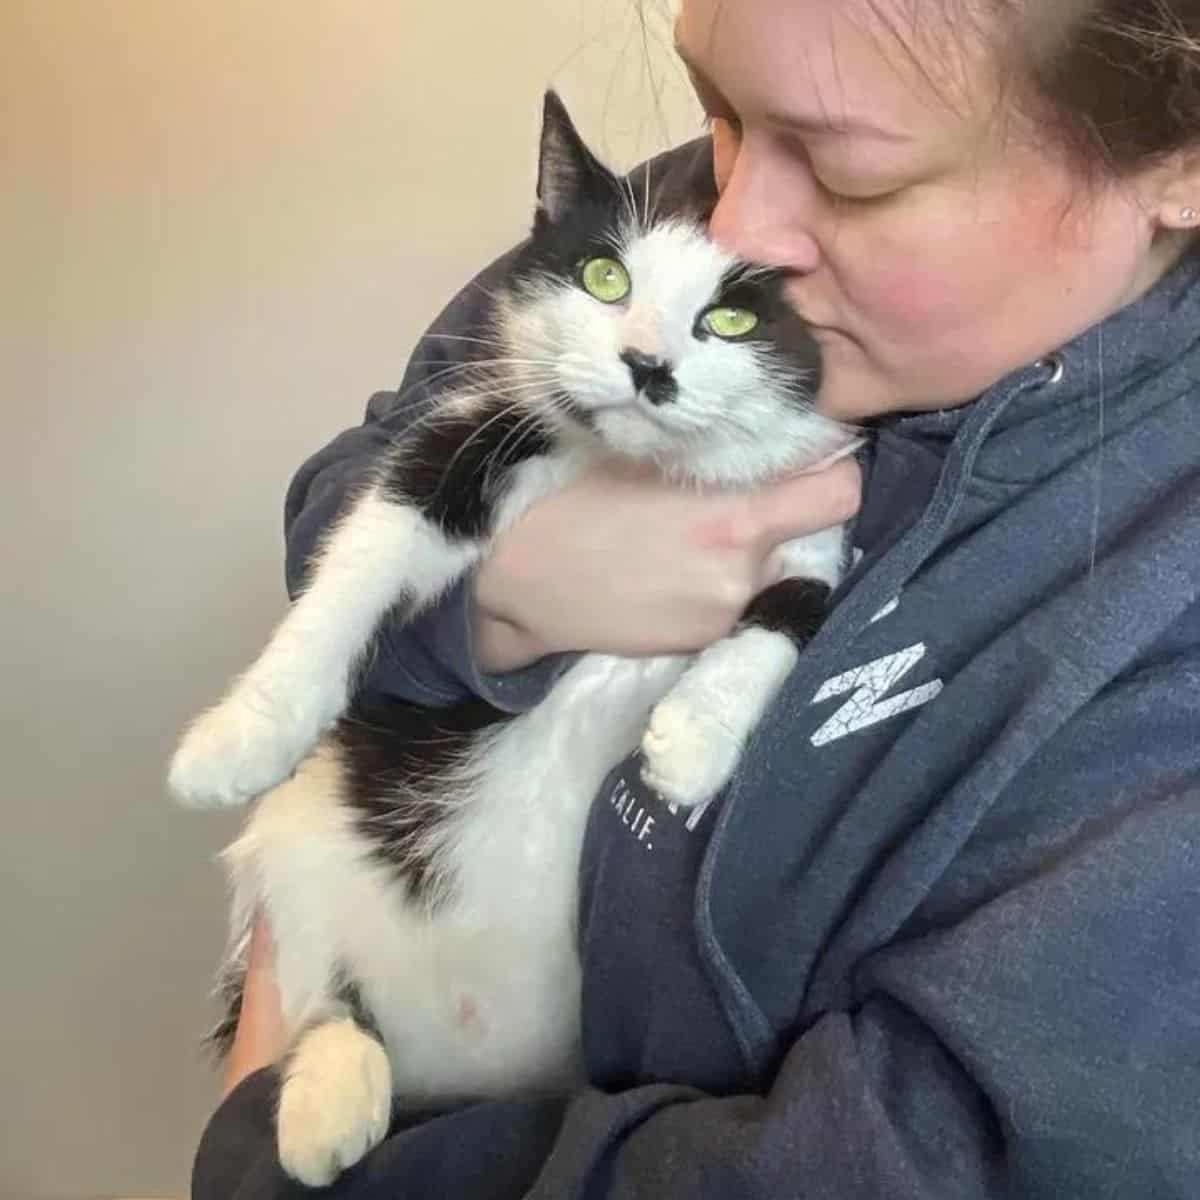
{"x": 568, "y": 172}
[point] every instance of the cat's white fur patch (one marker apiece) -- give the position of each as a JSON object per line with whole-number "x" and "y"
{"x": 820, "y": 555}
{"x": 697, "y": 733}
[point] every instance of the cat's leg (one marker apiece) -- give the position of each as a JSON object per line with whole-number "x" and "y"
{"x": 300, "y": 865}
{"x": 335, "y": 1099}
{"x": 381, "y": 555}
{"x": 698, "y": 731}
{"x": 335, "y": 1095}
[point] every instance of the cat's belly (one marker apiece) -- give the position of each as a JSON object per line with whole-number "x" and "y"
{"x": 515, "y": 846}
{"x": 505, "y": 947}
{"x": 481, "y": 996}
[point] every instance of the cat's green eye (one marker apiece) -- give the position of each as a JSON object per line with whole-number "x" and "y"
{"x": 730, "y": 322}
{"x": 606, "y": 279}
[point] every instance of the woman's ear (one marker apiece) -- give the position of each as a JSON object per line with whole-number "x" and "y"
{"x": 1172, "y": 191}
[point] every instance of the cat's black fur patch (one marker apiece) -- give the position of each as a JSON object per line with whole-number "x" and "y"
{"x": 796, "y": 607}
{"x": 231, "y": 991}
{"x": 763, "y": 291}
{"x": 387, "y": 744}
{"x": 557, "y": 250}
{"x": 653, "y": 376}
{"x": 346, "y": 990}
{"x": 450, "y": 468}
{"x": 583, "y": 219}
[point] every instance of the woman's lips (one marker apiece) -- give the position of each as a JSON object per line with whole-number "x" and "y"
{"x": 810, "y": 314}
{"x": 824, "y": 333}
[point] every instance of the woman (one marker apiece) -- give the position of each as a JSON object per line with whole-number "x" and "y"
{"x": 939, "y": 939}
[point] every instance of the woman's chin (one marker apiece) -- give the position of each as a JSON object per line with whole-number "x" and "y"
{"x": 850, "y": 390}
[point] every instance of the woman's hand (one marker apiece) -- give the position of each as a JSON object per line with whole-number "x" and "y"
{"x": 258, "y": 1041}
{"x": 621, "y": 562}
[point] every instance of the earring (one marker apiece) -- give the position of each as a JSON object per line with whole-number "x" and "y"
{"x": 1188, "y": 215}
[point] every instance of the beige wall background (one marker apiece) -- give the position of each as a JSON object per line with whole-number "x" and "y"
{"x": 223, "y": 223}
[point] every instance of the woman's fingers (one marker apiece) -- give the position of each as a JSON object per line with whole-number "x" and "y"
{"x": 258, "y": 1041}
{"x": 803, "y": 504}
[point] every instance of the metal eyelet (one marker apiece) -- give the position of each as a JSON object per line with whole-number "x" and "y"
{"x": 1054, "y": 364}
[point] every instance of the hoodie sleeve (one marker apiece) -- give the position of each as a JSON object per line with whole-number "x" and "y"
{"x": 824, "y": 1129}
{"x": 431, "y": 660}
{"x": 1036, "y": 1036}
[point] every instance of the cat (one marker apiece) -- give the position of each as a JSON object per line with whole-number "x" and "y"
{"x": 418, "y": 866}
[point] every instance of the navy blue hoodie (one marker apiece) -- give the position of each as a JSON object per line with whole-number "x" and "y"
{"x": 941, "y": 935}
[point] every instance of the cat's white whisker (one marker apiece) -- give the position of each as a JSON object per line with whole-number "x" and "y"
{"x": 630, "y": 201}
{"x": 532, "y": 420}
{"x": 481, "y": 364}
{"x": 479, "y": 431}
{"x": 488, "y": 292}
{"x": 646, "y": 204}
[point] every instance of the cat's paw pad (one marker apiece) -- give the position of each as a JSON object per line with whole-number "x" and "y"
{"x": 234, "y": 752}
{"x": 688, "y": 755}
{"x": 335, "y": 1103}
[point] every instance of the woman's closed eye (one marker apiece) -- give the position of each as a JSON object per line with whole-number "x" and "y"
{"x": 838, "y": 185}
{"x": 856, "y": 191}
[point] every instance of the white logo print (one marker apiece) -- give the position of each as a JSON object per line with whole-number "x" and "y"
{"x": 870, "y": 684}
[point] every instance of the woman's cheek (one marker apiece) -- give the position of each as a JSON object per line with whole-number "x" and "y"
{"x": 909, "y": 305}
{"x": 943, "y": 265}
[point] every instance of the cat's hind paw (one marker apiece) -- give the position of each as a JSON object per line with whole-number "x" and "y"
{"x": 335, "y": 1103}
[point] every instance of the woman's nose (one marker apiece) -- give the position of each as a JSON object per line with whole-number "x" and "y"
{"x": 767, "y": 215}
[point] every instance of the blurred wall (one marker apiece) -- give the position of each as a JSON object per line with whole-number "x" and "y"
{"x": 223, "y": 223}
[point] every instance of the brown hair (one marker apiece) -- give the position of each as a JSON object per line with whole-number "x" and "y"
{"x": 1117, "y": 82}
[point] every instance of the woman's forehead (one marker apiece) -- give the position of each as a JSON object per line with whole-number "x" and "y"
{"x": 841, "y": 65}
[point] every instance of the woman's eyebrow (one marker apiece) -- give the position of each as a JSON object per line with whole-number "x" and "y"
{"x": 814, "y": 124}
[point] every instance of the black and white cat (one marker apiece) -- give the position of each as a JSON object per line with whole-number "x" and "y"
{"x": 419, "y": 867}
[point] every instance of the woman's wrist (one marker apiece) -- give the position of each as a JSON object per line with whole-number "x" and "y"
{"x": 258, "y": 1040}
{"x": 502, "y": 646}
{"x": 503, "y": 640}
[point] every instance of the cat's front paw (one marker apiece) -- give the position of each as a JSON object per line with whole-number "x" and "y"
{"x": 688, "y": 755}
{"x": 335, "y": 1103}
{"x": 235, "y": 752}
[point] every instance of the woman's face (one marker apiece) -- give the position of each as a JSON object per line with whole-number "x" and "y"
{"x": 933, "y": 253}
